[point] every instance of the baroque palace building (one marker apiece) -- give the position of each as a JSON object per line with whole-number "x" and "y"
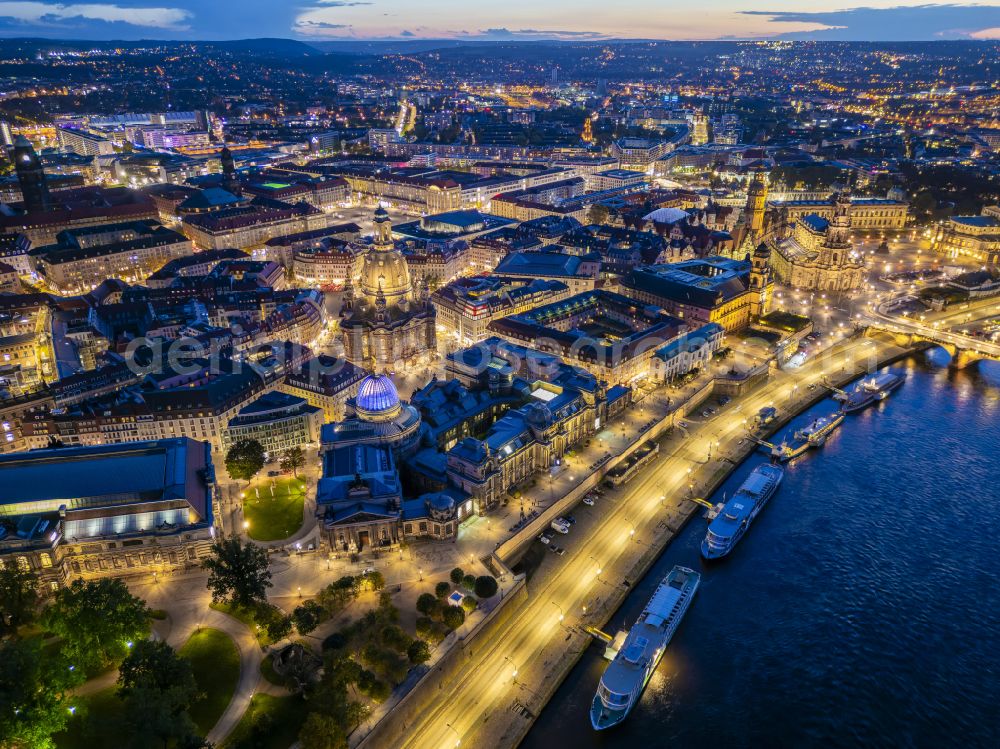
{"x": 386, "y": 323}
{"x": 819, "y": 253}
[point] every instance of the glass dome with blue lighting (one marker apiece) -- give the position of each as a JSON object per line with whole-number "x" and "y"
{"x": 377, "y": 399}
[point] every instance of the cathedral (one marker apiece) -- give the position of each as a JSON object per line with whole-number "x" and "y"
{"x": 385, "y": 323}
{"x": 819, "y": 253}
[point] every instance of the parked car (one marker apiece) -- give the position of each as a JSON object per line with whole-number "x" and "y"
{"x": 724, "y": 400}
{"x": 545, "y": 539}
{"x": 560, "y": 526}
{"x": 589, "y": 501}
{"x": 570, "y": 519}
{"x": 682, "y": 424}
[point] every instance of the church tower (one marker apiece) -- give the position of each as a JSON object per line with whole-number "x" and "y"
{"x": 588, "y": 132}
{"x": 756, "y": 205}
{"x": 229, "y": 181}
{"x": 761, "y": 281}
{"x": 34, "y": 189}
{"x": 838, "y": 233}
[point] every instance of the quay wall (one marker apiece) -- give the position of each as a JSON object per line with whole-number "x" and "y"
{"x": 578, "y": 641}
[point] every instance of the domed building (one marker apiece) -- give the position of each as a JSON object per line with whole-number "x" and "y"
{"x": 375, "y": 416}
{"x": 385, "y": 323}
{"x": 359, "y": 496}
{"x": 819, "y": 255}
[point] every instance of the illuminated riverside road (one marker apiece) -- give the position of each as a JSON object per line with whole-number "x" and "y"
{"x": 475, "y": 710}
{"x": 862, "y": 609}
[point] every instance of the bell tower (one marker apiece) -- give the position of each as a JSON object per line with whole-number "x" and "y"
{"x": 761, "y": 281}
{"x": 756, "y": 205}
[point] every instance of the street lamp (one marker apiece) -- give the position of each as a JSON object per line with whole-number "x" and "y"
{"x": 599, "y": 570}
{"x": 514, "y": 665}
{"x": 561, "y": 615}
{"x": 458, "y": 738}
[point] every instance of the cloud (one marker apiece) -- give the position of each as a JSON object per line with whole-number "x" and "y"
{"x": 318, "y": 21}
{"x": 503, "y": 34}
{"x": 39, "y": 13}
{"x": 404, "y": 32}
{"x": 901, "y": 23}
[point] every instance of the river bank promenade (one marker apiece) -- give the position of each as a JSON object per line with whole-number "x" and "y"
{"x": 610, "y": 547}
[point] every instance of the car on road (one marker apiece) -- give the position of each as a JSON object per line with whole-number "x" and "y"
{"x": 812, "y": 386}
{"x": 724, "y": 400}
{"x": 682, "y": 424}
{"x": 589, "y": 501}
{"x": 367, "y": 570}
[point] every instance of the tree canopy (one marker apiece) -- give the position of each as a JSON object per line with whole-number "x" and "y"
{"x": 97, "y": 620}
{"x": 18, "y": 598}
{"x": 238, "y": 573}
{"x": 292, "y": 460}
{"x": 245, "y": 459}
{"x": 33, "y": 688}
{"x": 157, "y": 686}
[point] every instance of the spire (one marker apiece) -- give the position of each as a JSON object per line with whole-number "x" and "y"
{"x": 229, "y": 181}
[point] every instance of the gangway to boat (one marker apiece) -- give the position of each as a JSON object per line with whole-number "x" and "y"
{"x": 711, "y": 511}
{"x": 598, "y": 634}
{"x": 832, "y": 389}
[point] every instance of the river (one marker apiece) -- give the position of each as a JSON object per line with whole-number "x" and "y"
{"x": 862, "y": 607}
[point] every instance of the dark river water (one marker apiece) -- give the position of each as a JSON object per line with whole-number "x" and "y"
{"x": 862, "y": 608}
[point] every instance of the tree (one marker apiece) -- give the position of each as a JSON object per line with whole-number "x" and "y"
{"x": 469, "y": 582}
{"x": 453, "y": 617}
{"x": 33, "y": 702}
{"x": 373, "y": 580}
{"x": 97, "y": 621}
{"x": 598, "y": 214}
{"x": 321, "y": 731}
{"x": 418, "y": 652}
{"x": 394, "y": 637}
{"x": 270, "y": 618}
{"x": 238, "y": 573}
{"x": 427, "y": 604}
{"x": 486, "y": 586}
{"x": 293, "y": 460}
{"x": 469, "y": 604}
{"x": 157, "y": 687}
{"x": 18, "y": 598}
{"x": 456, "y": 575}
{"x": 245, "y": 459}
{"x": 441, "y": 590}
{"x": 308, "y": 616}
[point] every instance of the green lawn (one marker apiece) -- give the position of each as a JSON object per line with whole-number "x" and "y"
{"x": 247, "y": 617}
{"x": 216, "y": 664}
{"x": 277, "y": 512}
{"x": 273, "y": 722}
{"x": 96, "y": 722}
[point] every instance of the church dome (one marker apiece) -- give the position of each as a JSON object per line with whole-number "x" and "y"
{"x": 383, "y": 267}
{"x": 377, "y": 399}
